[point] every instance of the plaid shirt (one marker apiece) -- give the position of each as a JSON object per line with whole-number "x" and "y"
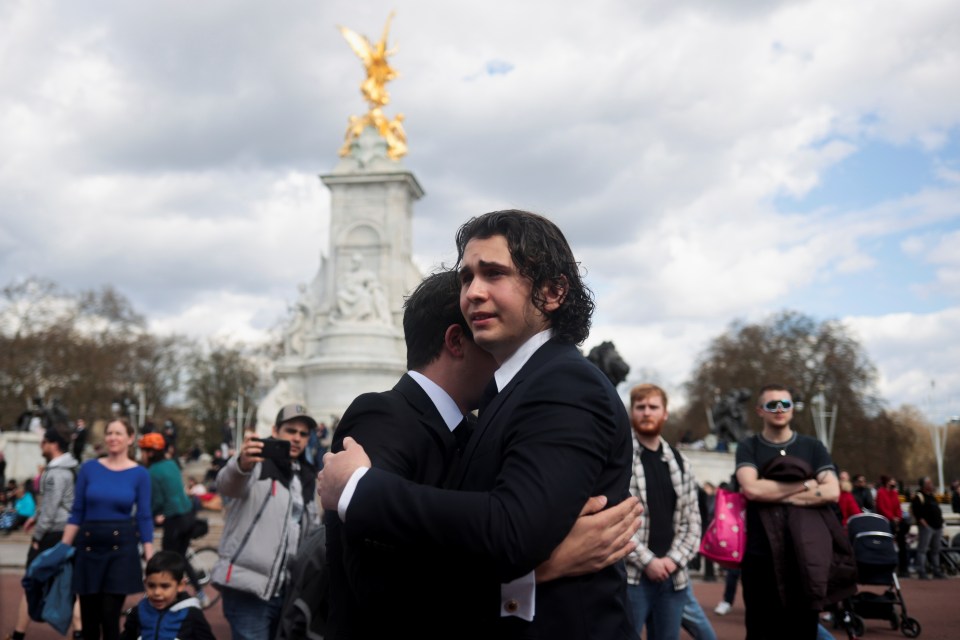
{"x": 686, "y": 518}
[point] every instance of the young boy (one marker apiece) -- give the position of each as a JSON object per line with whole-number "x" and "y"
{"x": 167, "y": 613}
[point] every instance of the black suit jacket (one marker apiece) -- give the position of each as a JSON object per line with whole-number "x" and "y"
{"x": 555, "y": 435}
{"x": 377, "y": 588}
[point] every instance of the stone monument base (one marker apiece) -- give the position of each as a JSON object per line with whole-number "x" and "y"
{"x": 21, "y": 450}
{"x": 352, "y": 358}
{"x": 711, "y": 466}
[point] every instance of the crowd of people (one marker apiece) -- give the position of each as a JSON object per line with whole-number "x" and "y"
{"x": 502, "y": 475}
{"x": 99, "y": 519}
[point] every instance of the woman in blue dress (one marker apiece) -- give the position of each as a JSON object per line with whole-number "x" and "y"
{"x": 110, "y": 517}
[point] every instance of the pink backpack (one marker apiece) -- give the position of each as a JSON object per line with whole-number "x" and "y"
{"x": 725, "y": 539}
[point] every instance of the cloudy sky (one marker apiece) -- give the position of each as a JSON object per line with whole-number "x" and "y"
{"x": 709, "y": 161}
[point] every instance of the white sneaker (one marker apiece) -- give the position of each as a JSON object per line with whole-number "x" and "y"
{"x": 723, "y": 608}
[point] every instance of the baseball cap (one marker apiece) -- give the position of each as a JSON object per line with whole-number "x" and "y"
{"x": 152, "y": 441}
{"x": 292, "y": 411}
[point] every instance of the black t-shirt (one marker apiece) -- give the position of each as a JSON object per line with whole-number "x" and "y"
{"x": 755, "y": 452}
{"x": 661, "y": 500}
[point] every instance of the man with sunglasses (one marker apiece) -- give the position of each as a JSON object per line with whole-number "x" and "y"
{"x": 766, "y": 614}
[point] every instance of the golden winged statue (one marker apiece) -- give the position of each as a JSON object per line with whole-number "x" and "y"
{"x": 374, "y": 89}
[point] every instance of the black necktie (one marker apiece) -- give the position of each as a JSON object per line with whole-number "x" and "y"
{"x": 489, "y": 393}
{"x": 462, "y": 433}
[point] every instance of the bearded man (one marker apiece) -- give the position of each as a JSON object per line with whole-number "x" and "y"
{"x": 669, "y": 535}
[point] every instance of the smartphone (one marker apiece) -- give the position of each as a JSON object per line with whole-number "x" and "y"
{"x": 274, "y": 449}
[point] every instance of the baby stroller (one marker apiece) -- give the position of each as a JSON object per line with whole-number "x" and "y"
{"x": 875, "y": 550}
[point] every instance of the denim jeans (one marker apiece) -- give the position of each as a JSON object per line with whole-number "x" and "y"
{"x": 695, "y": 620}
{"x": 730, "y": 585}
{"x": 250, "y": 617}
{"x": 928, "y": 546}
{"x": 658, "y": 606}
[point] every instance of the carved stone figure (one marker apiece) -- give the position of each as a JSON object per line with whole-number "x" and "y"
{"x": 607, "y": 359}
{"x": 295, "y": 335}
{"x": 360, "y": 298}
{"x": 42, "y": 417}
{"x": 729, "y": 418}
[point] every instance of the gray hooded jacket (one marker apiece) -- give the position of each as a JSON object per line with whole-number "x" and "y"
{"x": 256, "y": 540}
{"x": 56, "y": 488}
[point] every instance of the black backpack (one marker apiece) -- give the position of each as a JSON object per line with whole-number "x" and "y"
{"x": 304, "y": 613}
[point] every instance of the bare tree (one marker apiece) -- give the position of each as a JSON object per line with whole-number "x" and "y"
{"x": 217, "y": 376}
{"x": 80, "y": 349}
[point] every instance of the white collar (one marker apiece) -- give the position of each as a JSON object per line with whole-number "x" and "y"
{"x": 448, "y": 409}
{"x": 514, "y": 363}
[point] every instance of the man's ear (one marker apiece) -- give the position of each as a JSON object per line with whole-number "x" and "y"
{"x": 453, "y": 339}
{"x": 554, "y": 293}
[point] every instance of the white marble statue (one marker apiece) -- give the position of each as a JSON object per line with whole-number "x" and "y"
{"x": 295, "y": 335}
{"x": 360, "y": 297}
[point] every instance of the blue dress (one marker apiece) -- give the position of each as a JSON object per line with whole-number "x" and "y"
{"x": 112, "y": 509}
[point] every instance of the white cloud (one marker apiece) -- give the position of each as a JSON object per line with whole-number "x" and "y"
{"x": 911, "y": 351}
{"x": 173, "y": 153}
{"x": 224, "y": 316}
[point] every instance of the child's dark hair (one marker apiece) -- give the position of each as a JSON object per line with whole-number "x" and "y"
{"x": 167, "y": 561}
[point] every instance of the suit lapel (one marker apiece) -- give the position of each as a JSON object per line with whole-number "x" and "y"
{"x": 539, "y": 358}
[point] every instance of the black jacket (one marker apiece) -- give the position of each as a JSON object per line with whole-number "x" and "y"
{"x": 555, "y": 435}
{"x": 813, "y": 535}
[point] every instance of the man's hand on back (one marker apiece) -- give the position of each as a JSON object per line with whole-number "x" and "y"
{"x": 337, "y": 469}
{"x": 598, "y": 539}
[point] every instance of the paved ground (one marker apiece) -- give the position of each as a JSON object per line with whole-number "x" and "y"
{"x": 935, "y": 603}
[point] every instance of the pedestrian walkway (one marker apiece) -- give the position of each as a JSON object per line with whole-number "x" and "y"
{"x": 931, "y": 602}
{"x": 13, "y": 555}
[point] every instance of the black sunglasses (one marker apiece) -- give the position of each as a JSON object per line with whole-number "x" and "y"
{"x": 774, "y": 405}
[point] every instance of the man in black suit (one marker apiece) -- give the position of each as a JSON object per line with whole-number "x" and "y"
{"x": 554, "y": 434}
{"x": 413, "y": 431}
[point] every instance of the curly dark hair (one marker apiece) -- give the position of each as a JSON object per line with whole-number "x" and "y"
{"x": 541, "y": 253}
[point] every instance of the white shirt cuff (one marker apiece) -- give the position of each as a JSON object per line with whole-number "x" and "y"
{"x": 518, "y": 598}
{"x": 348, "y": 490}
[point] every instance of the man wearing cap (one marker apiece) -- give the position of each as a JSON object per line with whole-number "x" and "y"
{"x": 270, "y": 510}
{"x": 56, "y": 491}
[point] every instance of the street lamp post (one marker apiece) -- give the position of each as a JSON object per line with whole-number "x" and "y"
{"x": 938, "y": 432}
{"x": 240, "y": 422}
{"x": 825, "y": 422}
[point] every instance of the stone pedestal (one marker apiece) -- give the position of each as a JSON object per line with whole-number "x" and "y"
{"x": 346, "y": 337}
{"x": 711, "y": 466}
{"x": 21, "y": 450}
